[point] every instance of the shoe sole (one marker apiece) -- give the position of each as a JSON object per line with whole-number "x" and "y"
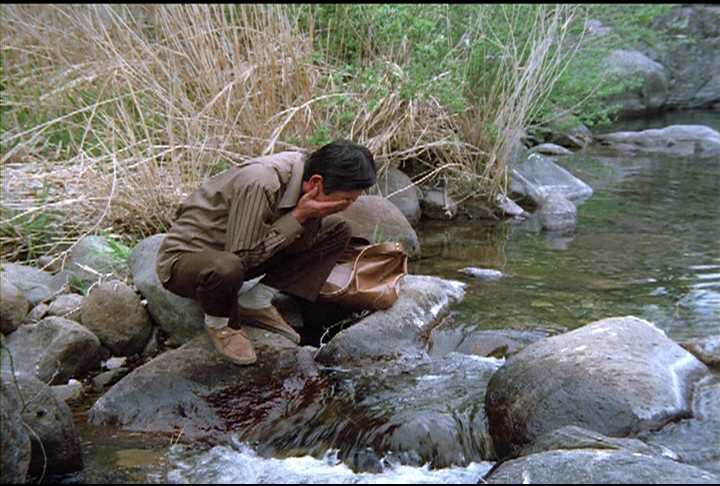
{"x": 260, "y": 325}
{"x": 240, "y": 363}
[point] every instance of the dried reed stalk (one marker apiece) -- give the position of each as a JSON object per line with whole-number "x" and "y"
{"x": 114, "y": 113}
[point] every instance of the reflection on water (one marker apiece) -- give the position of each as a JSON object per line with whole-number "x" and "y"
{"x": 647, "y": 244}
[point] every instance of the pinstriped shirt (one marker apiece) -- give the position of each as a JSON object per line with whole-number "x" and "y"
{"x": 244, "y": 210}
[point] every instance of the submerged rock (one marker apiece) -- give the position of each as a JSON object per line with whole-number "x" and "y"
{"x": 483, "y": 273}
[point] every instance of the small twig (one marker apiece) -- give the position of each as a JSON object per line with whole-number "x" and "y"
{"x": 42, "y": 449}
{"x": 178, "y": 437}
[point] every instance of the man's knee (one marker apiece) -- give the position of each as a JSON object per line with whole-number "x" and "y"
{"x": 225, "y": 271}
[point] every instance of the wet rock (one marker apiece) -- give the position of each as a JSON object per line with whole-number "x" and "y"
{"x": 196, "y": 393}
{"x": 706, "y": 349}
{"x": 618, "y": 376}
{"x": 507, "y": 206}
{"x": 402, "y": 330}
{"x": 487, "y": 274}
{"x": 407, "y": 412}
{"x": 572, "y": 437}
{"x": 557, "y": 213}
{"x": 537, "y": 176}
{"x": 55, "y": 443}
{"x": 689, "y": 438}
{"x": 499, "y": 343}
{"x": 597, "y": 466}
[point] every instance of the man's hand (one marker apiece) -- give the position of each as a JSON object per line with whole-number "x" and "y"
{"x": 310, "y": 207}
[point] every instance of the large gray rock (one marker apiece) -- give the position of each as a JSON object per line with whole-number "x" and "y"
{"x": 398, "y": 188}
{"x": 13, "y": 307}
{"x": 698, "y": 140}
{"x": 692, "y": 47}
{"x": 55, "y": 443}
{"x": 402, "y": 330}
{"x": 371, "y": 215}
{"x": 618, "y": 376}
{"x": 36, "y": 285}
{"x": 181, "y": 318}
{"x": 597, "y": 466}
{"x": 673, "y": 71}
{"x": 650, "y": 96}
{"x": 54, "y": 350}
{"x": 14, "y": 439}
{"x": 196, "y": 392}
{"x": 537, "y": 176}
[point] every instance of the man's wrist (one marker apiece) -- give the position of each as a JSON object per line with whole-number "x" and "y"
{"x": 300, "y": 218}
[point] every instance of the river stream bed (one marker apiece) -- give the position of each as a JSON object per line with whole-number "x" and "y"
{"x": 647, "y": 244}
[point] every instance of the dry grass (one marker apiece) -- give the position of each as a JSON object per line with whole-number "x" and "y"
{"x": 112, "y": 114}
{"x": 527, "y": 80}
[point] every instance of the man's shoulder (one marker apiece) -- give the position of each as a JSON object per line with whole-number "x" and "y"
{"x": 266, "y": 170}
{"x": 279, "y": 159}
{"x": 281, "y": 165}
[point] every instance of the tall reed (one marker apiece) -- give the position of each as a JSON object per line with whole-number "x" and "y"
{"x": 523, "y": 76}
{"x": 113, "y": 113}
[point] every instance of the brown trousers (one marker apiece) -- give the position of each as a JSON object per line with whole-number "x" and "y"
{"x": 214, "y": 277}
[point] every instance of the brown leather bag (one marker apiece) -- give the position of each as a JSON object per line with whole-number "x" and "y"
{"x": 367, "y": 276}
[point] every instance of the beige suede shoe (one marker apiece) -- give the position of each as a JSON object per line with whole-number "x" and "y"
{"x": 269, "y": 318}
{"x": 234, "y": 344}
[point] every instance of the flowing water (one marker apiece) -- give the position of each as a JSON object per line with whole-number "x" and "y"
{"x": 647, "y": 244}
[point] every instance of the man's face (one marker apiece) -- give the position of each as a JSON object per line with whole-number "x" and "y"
{"x": 347, "y": 196}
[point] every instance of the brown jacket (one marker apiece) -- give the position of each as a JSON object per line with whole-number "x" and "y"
{"x": 244, "y": 210}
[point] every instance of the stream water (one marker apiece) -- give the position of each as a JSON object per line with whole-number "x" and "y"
{"x": 647, "y": 244}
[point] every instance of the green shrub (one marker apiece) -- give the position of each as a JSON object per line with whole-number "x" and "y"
{"x": 120, "y": 110}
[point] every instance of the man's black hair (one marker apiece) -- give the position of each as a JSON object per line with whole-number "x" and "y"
{"x": 344, "y": 166}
